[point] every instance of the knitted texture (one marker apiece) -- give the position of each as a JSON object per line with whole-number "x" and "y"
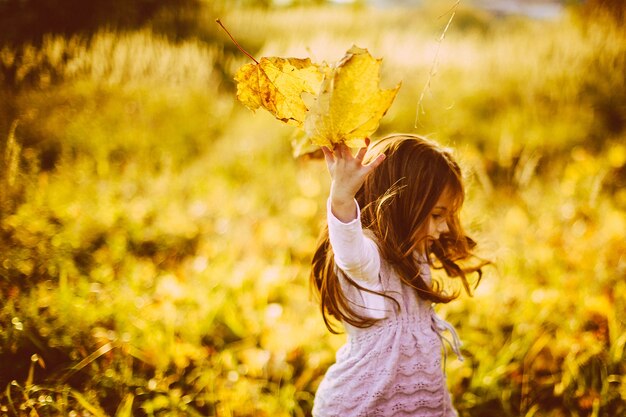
{"x": 392, "y": 368}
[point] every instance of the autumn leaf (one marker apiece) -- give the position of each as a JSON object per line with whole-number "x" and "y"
{"x": 302, "y": 147}
{"x": 350, "y": 104}
{"x": 277, "y": 84}
{"x": 333, "y": 105}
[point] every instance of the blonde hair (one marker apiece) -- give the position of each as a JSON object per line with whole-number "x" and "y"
{"x": 396, "y": 200}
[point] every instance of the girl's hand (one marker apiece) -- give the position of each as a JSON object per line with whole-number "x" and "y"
{"x": 348, "y": 174}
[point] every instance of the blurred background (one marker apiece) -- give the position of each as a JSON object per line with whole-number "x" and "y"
{"x": 155, "y": 235}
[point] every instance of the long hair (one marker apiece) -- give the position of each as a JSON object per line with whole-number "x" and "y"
{"x": 396, "y": 200}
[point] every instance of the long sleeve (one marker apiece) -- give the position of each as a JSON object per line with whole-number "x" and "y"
{"x": 355, "y": 254}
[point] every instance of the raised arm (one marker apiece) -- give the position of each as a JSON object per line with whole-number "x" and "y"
{"x": 355, "y": 254}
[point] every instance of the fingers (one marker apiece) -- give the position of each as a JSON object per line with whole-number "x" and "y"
{"x": 341, "y": 151}
{"x": 376, "y": 162}
{"x": 361, "y": 154}
{"x": 329, "y": 158}
{"x": 337, "y": 150}
{"x": 328, "y": 154}
{"x": 362, "y": 151}
{"x": 345, "y": 151}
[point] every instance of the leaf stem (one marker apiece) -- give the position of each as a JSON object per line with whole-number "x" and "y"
{"x": 219, "y": 22}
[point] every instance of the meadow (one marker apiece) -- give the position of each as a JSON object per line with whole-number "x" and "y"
{"x": 156, "y": 236}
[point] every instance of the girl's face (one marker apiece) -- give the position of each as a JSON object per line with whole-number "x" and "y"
{"x": 438, "y": 217}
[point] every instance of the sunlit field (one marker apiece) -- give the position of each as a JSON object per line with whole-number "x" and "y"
{"x": 156, "y": 236}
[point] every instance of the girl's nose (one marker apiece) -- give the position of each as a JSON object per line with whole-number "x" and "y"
{"x": 443, "y": 227}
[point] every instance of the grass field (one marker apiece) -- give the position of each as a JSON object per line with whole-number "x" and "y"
{"x": 155, "y": 235}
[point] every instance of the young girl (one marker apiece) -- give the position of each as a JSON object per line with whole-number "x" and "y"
{"x": 393, "y": 212}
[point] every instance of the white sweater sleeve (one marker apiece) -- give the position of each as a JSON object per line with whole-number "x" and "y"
{"x": 355, "y": 254}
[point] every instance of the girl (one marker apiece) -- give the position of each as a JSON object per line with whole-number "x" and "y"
{"x": 393, "y": 211}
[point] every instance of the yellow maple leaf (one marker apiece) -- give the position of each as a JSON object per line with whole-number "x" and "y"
{"x": 277, "y": 84}
{"x": 350, "y": 103}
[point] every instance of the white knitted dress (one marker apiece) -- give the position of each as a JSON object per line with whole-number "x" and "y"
{"x": 394, "y": 367}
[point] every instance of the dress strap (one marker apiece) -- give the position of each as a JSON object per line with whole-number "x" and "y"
{"x": 439, "y": 325}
